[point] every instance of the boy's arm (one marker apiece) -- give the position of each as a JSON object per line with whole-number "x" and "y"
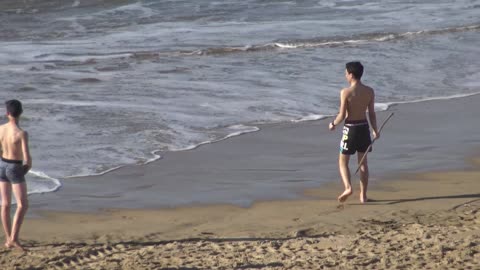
{"x": 373, "y": 116}
{"x": 26, "y": 152}
{"x": 343, "y": 109}
{"x": 1, "y": 139}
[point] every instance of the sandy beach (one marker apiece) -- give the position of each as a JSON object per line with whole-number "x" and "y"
{"x": 409, "y": 225}
{"x": 194, "y": 134}
{"x": 428, "y": 219}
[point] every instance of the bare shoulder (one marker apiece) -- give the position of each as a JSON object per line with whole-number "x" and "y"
{"x": 369, "y": 89}
{"x": 23, "y": 134}
{"x": 345, "y": 91}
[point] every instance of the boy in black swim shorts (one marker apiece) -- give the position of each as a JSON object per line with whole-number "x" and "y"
{"x": 355, "y": 102}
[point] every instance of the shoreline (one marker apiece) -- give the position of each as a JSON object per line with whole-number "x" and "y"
{"x": 281, "y": 161}
{"x": 258, "y": 127}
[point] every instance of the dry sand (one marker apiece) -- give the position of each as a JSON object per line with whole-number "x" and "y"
{"x": 429, "y": 221}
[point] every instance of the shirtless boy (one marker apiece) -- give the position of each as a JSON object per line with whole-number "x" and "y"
{"x": 355, "y": 101}
{"x": 14, "y": 153}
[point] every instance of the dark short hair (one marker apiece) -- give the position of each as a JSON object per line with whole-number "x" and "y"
{"x": 355, "y": 68}
{"x": 14, "y": 107}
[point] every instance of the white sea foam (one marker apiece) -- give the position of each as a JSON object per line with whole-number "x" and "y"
{"x": 389, "y": 104}
{"x": 95, "y": 174}
{"x": 286, "y": 45}
{"x": 41, "y": 182}
{"x": 104, "y": 104}
{"x": 240, "y": 129}
{"x": 154, "y": 158}
{"x": 18, "y": 52}
{"x": 83, "y": 58}
{"x": 311, "y": 117}
{"x": 144, "y": 11}
{"x": 237, "y": 130}
{"x": 381, "y": 106}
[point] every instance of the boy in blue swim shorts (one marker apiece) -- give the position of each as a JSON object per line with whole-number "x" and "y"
{"x": 14, "y": 163}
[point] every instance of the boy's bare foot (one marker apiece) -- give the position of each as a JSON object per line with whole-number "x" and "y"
{"x": 8, "y": 244}
{"x": 17, "y": 246}
{"x": 363, "y": 198}
{"x": 343, "y": 197}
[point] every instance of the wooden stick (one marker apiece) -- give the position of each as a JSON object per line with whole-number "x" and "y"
{"x": 370, "y": 146}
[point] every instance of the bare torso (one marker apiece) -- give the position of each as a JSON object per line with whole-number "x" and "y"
{"x": 11, "y": 137}
{"x": 358, "y": 98}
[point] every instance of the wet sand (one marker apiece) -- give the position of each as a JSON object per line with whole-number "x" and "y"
{"x": 278, "y": 162}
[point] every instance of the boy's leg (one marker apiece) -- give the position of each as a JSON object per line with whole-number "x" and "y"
{"x": 6, "y": 193}
{"x": 20, "y": 192}
{"x": 363, "y": 177}
{"x": 345, "y": 174}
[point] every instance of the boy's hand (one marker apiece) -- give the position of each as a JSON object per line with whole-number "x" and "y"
{"x": 26, "y": 168}
{"x": 331, "y": 126}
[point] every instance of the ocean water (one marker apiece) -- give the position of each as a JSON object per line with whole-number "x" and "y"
{"x": 110, "y": 83}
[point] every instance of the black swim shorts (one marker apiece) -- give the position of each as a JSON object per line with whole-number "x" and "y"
{"x": 356, "y": 137}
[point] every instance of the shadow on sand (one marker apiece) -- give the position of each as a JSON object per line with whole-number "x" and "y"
{"x": 396, "y": 201}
